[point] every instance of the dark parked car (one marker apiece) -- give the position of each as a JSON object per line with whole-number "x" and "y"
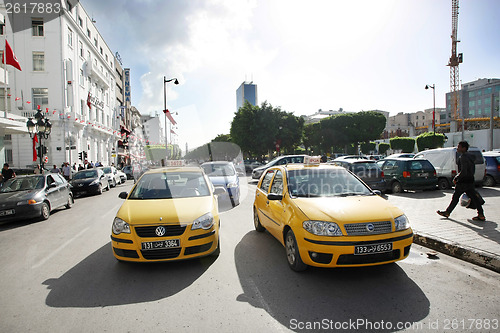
{"x": 367, "y": 170}
{"x": 34, "y": 196}
{"x": 408, "y": 174}
{"x": 280, "y": 160}
{"x": 250, "y": 165}
{"x": 128, "y": 171}
{"x": 492, "y": 176}
{"x": 89, "y": 181}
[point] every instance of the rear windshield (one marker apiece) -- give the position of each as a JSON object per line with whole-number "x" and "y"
{"x": 478, "y": 157}
{"x": 420, "y": 165}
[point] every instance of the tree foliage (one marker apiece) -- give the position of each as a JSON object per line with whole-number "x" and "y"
{"x": 406, "y": 145}
{"x": 258, "y": 130}
{"x": 383, "y": 147}
{"x": 366, "y": 147}
{"x": 430, "y": 140}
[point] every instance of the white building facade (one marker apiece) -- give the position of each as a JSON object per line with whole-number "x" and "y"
{"x": 68, "y": 70}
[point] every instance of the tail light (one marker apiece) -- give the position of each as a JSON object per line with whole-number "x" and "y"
{"x": 406, "y": 174}
{"x": 453, "y": 173}
{"x": 382, "y": 173}
{"x": 498, "y": 168}
{"x": 435, "y": 174}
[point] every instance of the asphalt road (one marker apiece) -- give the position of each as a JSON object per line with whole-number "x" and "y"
{"x": 59, "y": 275}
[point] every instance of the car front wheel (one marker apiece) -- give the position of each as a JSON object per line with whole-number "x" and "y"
{"x": 45, "y": 211}
{"x": 292, "y": 253}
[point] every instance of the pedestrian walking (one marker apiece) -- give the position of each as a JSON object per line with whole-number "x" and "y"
{"x": 464, "y": 183}
{"x": 38, "y": 170}
{"x": 55, "y": 169}
{"x": 7, "y": 173}
{"x": 66, "y": 171}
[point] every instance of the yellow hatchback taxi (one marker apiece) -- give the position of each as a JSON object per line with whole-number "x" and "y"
{"x": 170, "y": 214}
{"x": 326, "y": 216}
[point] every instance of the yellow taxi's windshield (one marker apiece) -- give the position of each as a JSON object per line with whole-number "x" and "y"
{"x": 324, "y": 183}
{"x": 170, "y": 185}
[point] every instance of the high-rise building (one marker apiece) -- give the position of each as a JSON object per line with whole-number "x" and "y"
{"x": 475, "y": 99}
{"x": 246, "y": 92}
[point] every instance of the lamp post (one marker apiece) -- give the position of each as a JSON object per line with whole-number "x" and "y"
{"x": 165, "y": 81}
{"x": 41, "y": 127}
{"x": 434, "y": 107}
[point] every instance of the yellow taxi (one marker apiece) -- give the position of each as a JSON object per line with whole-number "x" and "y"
{"x": 326, "y": 216}
{"x": 170, "y": 214}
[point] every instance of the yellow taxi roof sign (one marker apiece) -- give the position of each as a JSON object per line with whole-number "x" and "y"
{"x": 312, "y": 160}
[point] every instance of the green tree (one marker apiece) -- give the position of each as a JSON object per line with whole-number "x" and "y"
{"x": 430, "y": 140}
{"x": 383, "y": 147}
{"x": 366, "y": 147}
{"x": 406, "y": 145}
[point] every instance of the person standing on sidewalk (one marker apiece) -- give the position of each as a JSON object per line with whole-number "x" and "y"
{"x": 464, "y": 183}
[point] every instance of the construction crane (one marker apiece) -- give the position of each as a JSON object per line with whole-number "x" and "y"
{"x": 455, "y": 60}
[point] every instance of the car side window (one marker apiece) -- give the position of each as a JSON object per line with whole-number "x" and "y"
{"x": 389, "y": 165}
{"x": 283, "y": 161}
{"x": 264, "y": 186}
{"x": 277, "y": 186}
{"x": 50, "y": 180}
{"x": 58, "y": 179}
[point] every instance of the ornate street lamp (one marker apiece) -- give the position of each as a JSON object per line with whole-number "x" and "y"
{"x": 41, "y": 128}
{"x": 165, "y": 81}
{"x": 434, "y": 108}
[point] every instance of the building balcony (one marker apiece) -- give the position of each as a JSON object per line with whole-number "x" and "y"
{"x": 94, "y": 73}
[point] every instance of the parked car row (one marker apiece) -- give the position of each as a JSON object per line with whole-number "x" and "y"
{"x": 36, "y": 196}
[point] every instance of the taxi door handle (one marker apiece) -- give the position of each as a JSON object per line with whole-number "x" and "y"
{"x": 267, "y": 202}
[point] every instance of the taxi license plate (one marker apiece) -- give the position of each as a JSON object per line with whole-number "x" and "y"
{"x": 7, "y": 212}
{"x": 163, "y": 244}
{"x": 373, "y": 248}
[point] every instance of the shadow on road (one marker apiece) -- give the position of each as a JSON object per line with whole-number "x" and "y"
{"x": 100, "y": 280}
{"x": 372, "y": 294}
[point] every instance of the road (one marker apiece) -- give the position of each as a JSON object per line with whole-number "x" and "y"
{"x": 59, "y": 275}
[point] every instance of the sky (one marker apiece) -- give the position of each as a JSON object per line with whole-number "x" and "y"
{"x": 302, "y": 55}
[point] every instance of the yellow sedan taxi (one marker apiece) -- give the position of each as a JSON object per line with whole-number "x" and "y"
{"x": 170, "y": 214}
{"x": 326, "y": 216}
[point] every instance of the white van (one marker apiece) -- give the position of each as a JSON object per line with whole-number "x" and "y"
{"x": 445, "y": 160}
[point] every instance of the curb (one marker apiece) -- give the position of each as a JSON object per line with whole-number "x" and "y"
{"x": 469, "y": 254}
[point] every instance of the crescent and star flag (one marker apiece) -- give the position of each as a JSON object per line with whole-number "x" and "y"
{"x": 9, "y": 58}
{"x": 35, "y": 139}
{"x": 169, "y": 116}
{"x": 88, "y": 101}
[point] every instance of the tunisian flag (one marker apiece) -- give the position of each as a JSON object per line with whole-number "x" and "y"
{"x": 35, "y": 140}
{"x": 169, "y": 116}
{"x": 11, "y": 58}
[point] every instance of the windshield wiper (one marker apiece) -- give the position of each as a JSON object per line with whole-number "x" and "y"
{"x": 307, "y": 195}
{"x": 348, "y": 194}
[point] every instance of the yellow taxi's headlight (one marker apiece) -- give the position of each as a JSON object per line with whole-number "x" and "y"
{"x": 205, "y": 221}
{"x": 120, "y": 226}
{"x": 322, "y": 228}
{"x": 401, "y": 222}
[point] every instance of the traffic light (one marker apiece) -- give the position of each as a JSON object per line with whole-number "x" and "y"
{"x": 85, "y": 155}
{"x": 80, "y": 155}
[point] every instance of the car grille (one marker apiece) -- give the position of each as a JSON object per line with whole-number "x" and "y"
{"x": 161, "y": 254}
{"x": 150, "y": 231}
{"x": 382, "y": 227}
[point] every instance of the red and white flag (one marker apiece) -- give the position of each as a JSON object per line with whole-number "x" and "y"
{"x": 169, "y": 116}
{"x": 88, "y": 101}
{"x": 35, "y": 140}
{"x": 9, "y": 57}
{"x": 172, "y": 131}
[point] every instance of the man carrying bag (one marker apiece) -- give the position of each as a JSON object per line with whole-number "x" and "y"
{"x": 464, "y": 183}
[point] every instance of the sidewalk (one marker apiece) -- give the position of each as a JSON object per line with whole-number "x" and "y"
{"x": 473, "y": 241}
